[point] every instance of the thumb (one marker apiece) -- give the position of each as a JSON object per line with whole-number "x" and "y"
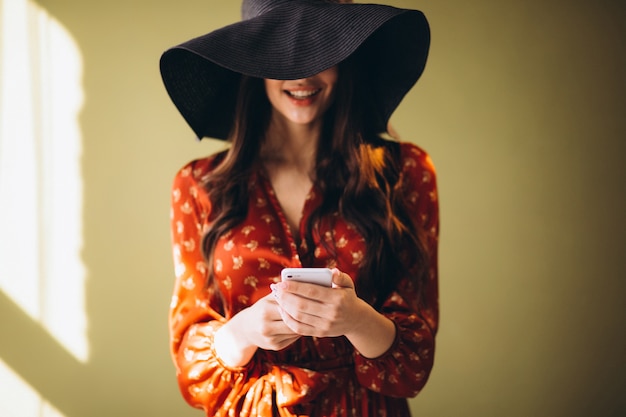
{"x": 341, "y": 280}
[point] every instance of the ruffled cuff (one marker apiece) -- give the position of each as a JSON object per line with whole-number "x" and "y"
{"x": 204, "y": 379}
{"x": 402, "y": 371}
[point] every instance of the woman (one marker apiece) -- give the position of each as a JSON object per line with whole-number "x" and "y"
{"x": 302, "y": 90}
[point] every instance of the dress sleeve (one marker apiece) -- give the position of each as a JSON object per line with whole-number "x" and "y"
{"x": 195, "y": 311}
{"x": 403, "y": 370}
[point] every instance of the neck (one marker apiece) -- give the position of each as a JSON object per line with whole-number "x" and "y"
{"x": 291, "y": 144}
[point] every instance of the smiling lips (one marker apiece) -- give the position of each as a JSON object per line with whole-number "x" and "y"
{"x": 303, "y": 97}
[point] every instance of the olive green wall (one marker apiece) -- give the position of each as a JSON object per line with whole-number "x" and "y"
{"x": 521, "y": 107}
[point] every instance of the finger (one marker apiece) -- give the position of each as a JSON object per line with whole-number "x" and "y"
{"x": 276, "y": 329}
{"x": 297, "y": 326}
{"x": 305, "y": 290}
{"x": 279, "y": 341}
{"x": 300, "y": 309}
{"x": 316, "y": 308}
{"x": 342, "y": 280}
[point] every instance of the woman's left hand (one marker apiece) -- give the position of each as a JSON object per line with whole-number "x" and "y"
{"x": 314, "y": 310}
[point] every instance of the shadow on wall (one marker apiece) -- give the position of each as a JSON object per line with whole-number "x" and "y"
{"x": 123, "y": 368}
{"x": 41, "y": 361}
{"x": 521, "y": 107}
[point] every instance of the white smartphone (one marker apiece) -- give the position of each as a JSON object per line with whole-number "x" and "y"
{"x": 319, "y": 276}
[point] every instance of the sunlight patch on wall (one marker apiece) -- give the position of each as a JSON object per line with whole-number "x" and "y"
{"x": 40, "y": 173}
{"x": 21, "y": 400}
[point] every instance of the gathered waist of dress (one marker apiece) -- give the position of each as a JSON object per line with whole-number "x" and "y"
{"x": 297, "y": 385}
{"x": 322, "y": 364}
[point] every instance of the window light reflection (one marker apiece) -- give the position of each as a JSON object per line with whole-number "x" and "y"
{"x": 40, "y": 184}
{"x": 21, "y": 399}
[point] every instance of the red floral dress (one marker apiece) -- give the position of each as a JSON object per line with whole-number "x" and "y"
{"x": 313, "y": 376}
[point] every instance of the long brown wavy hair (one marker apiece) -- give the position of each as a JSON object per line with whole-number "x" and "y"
{"x": 357, "y": 171}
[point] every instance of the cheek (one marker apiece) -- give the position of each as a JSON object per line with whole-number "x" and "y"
{"x": 272, "y": 90}
{"x": 331, "y": 96}
{"x": 331, "y": 76}
{"x": 331, "y": 81}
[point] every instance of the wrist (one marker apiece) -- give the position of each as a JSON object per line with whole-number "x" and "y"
{"x": 373, "y": 334}
{"x": 364, "y": 314}
{"x": 232, "y": 347}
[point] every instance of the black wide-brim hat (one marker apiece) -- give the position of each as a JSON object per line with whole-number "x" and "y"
{"x": 294, "y": 39}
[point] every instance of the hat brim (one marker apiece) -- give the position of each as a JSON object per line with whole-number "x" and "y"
{"x": 293, "y": 41}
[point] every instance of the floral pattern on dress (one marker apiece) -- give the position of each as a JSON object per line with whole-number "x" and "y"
{"x": 313, "y": 376}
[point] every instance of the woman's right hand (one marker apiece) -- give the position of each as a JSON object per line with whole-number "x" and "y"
{"x": 258, "y": 326}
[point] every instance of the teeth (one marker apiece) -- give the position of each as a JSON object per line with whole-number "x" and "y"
{"x": 302, "y": 93}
